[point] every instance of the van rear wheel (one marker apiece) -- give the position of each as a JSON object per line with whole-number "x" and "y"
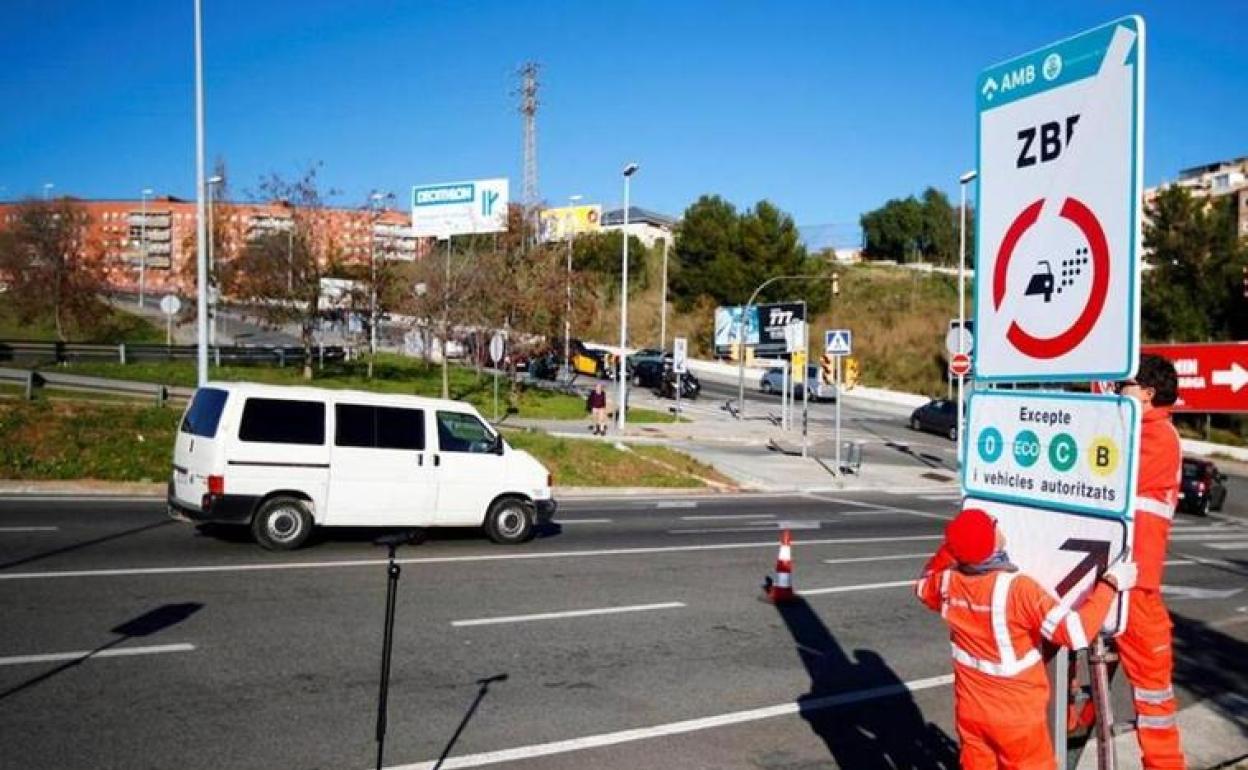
{"x": 509, "y": 521}
{"x": 282, "y": 524}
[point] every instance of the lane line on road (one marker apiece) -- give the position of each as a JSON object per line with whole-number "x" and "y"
{"x": 728, "y": 516}
{"x": 1239, "y": 546}
{"x": 893, "y": 557}
{"x": 118, "y": 652}
{"x": 566, "y": 614}
{"x": 603, "y": 740}
{"x": 762, "y": 526}
{"x": 676, "y": 504}
{"x": 585, "y": 521}
{"x": 28, "y": 529}
{"x": 266, "y": 566}
{"x": 83, "y": 499}
{"x": 889, "y": 508}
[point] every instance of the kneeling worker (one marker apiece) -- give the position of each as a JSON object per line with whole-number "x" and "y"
{"x": 997, "y": 620}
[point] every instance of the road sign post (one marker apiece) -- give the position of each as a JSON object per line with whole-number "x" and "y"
{"x": 838, "y": 343}
{"x": 497, "y": 344}
{"x": 680, "y": 363}
{"x": 169, "y": 305}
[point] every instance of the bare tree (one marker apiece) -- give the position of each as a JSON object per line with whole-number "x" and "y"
{"x": 279, "y": 272}
{"x": 50, "y": 266}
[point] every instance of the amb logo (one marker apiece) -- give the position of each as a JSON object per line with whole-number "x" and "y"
{"x": 1023, "y": 76}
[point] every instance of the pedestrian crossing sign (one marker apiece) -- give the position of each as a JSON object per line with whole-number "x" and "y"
{"x": 838, "y": 342}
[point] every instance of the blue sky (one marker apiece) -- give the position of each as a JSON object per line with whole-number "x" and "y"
{"x": 825, "y": 108}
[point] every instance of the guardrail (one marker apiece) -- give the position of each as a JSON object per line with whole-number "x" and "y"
{"x": 35, "y": 380}
{"x": 72, "y": 352}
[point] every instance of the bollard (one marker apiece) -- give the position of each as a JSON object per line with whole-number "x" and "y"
{"x": 121, "y": 353}
{"x": 281, "y": 357}
{"x": 162, "y": 395}
{"x": 33, "y": 383}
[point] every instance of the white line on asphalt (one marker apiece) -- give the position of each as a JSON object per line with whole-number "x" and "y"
{"x": 567, "y": 614}
{"x": 676, "y": 504}
{"x": 1213, "y": 534}
{"x": 729, "y": 516}
{"x": 264, "y": 566}
{"x": 82, "y": 499}
{"x": 942, "y": 498}
{"x": 118, "y": 652}
{"x": 893, "y": 557}
{"x": 881, "y": 512}
{"x": 889, "y": 508}
{"x": 29, "y": 529}
{"x": 677, "y": 728}
{"x": 1227, "y": 546}
{"x": 585, "y": 521}
{"x": 762, "y": 526}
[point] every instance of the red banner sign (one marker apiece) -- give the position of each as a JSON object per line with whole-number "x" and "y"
{"x": 1213, "y": 377}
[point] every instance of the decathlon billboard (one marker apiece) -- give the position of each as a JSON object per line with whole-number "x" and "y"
{"x": 1060, "y": 142}
{"x": 460, "y": 208}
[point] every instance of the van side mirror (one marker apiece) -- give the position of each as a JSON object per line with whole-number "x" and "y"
{"x": 498, "y": 445}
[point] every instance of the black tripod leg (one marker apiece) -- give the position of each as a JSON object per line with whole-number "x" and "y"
{"x": 392, "y": 587}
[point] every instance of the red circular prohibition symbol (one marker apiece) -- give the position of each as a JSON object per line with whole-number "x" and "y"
{"x": 1085, "y": 220}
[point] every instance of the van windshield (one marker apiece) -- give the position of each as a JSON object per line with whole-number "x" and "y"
{"x": 204, "y": 414}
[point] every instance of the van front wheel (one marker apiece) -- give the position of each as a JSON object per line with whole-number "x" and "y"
{"x": 509, "y": 521}
{"x": 282, "y": 524}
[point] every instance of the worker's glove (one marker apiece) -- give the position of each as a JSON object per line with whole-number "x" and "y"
{"x": 1122, "y": 575}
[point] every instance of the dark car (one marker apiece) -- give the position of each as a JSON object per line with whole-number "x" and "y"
{"x": 648, "y": 372}
{"x": 690, "y": 386}
{"x": 940, "y": 415}
{"x": 1202, "y": 488}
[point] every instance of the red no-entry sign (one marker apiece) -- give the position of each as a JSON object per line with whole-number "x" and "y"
{"x": 1213, "y": 377}
{"x": 959, "y": 364}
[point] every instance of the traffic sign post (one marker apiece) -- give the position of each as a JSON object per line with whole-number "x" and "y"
{"x": 838, "y": 343}
{"x": 1060, "y": 148}
{"x": 1213, "y": 377}
{"x": 497, "y": 344}
{"x": 959, "y": 366}
{"x": 680, "y": 362}
{"x": 169, "y": 305}
{"x": 959, "y": 342}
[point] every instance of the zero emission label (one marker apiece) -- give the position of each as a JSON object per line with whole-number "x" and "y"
{"x": 1062, "y": 451}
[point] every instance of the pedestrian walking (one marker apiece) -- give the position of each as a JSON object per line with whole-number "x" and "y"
{"x": 1145, "y": 648}
{"x": 998, "y": 619}
{"x": 596, "y": 405}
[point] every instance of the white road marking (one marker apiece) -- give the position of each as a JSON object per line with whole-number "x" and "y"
{"x": 82, "y": 499}
{"x": 941, "y": 498}
{"x": 563, "y": 615}
{"x": 117, "y": 652}
{"x": 29, "y": 529}
{"x": 1216, "y": 534}
{"x": 676, "y": 504}
{"x": 584, "y": 521}
{"x": 1239, "y": 546}
{"x": 893, "y": 557}
{"x": 881, "y": 512}
{"x": 729, "y": 516}
{"x": 265, "y": 566}
{"x": 602, "y": 740}
{"x": 762, "y": 526}
{"x": 859, "y": 587}
{"x": 1192, "y": 592}
{"x": 889, "y": 508}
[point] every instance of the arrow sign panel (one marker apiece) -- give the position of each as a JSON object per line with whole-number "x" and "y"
{"x": 1096, "y": 560}
{"x": 1213, "y": 377}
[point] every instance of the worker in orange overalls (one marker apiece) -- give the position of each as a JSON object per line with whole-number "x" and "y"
{"x": 998, "y": 619}
{"x": 1145, "y": 646}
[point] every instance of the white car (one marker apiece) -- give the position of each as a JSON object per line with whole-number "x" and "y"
{"x": 772, "y": 382}
{"x": 283, "y": 460}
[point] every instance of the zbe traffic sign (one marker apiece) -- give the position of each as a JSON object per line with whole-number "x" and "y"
{"x": 1060, "y": 146}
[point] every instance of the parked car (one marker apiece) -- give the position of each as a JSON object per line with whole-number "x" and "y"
{"x": 283, "y": 460}
{"x": 648, "y": 372}
{"x": 645, "y": 354}
{"x": 772, "y": 382}
{"x": 690, "y": 386}
{"x": 939, "y": 415}
{"x": 1202, "y": 488}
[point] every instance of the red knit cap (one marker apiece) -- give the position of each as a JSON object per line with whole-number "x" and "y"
{"x": 971, "y": 536}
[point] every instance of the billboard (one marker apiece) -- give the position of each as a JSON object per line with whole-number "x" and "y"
{"x": 1213, "y": 376}
{"x": 558, "y": 224}
{"x": 762, "y": 326}
{"x": 459, "y": 208}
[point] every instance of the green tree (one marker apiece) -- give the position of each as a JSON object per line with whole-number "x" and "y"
{"x": 938, "y": 240}
{"x": 911, "y": 229}
{"x": 49, "y": 266}
{"x": 599, "y": 257}
{"x": 1193, "y": 291}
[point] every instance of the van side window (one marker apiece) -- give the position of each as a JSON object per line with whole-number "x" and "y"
{"x": 458, "y": 432}
{"x": 204, "y": 414}
{"x": 279, "y": 421}
{"x": 379, "y": 427}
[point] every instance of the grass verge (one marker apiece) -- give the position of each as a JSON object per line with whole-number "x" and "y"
{"x": 62, "y": 440}
{"x": 113, "y": 325}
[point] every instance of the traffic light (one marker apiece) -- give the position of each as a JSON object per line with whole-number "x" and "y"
{"x": 851, "y": 373}
{"x": 827, "y": 367}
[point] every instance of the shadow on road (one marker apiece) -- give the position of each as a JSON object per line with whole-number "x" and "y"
{"x": 85, "y": 544}
{"x": 1211, "y": 665}
{"x": 147, "y": 624}
{"x": 482, "y": 691}
{"x": 859, "y": 707}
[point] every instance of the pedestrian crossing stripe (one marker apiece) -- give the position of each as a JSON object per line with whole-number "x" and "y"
{"x": 838, "y": 342}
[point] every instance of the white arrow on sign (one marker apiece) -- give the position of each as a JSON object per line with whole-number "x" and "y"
{"x": 1234, "y": 378}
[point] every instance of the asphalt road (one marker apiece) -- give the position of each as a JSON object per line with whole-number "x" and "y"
{"x": 631, "y": 635}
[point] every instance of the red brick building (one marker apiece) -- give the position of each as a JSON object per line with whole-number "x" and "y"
{"x": 120, "y": 229}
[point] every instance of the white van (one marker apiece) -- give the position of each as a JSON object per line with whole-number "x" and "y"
{"x": 285, "y": 459}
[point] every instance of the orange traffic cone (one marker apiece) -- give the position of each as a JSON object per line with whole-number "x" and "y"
{"x": 780, "y": 590}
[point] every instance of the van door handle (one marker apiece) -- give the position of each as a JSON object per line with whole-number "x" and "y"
{"x": 420, "y": 460}
{"x": 437, "y": 461}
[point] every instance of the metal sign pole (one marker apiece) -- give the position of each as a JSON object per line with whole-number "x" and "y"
{"x": 837, "y": 370}
{"x": 1098, "y": 672}
{"x": 784, "y": 391}
{"x": 679, "y": 378}
{"x": 806, "y": 367}
{"x": 1061, "y": 679}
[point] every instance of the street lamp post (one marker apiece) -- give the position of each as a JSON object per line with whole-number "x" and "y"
{"x": 663, "y": 301}
{"x": 741, "y": 338}
{"x": 201, "y": 223}
{"x": 567, "y": 315}
{"x": 47, "y": 190}
{"x": 620, "y": 364}
{"x": 963, "y": 181}
{"x": 212, "y": 267}
{"x": 373, "y": 199}
{"x": 143, "y": 246}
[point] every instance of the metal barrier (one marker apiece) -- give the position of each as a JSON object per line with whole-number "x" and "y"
{"x": 33, "y": 381}
{"x": 72, "y": 352}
